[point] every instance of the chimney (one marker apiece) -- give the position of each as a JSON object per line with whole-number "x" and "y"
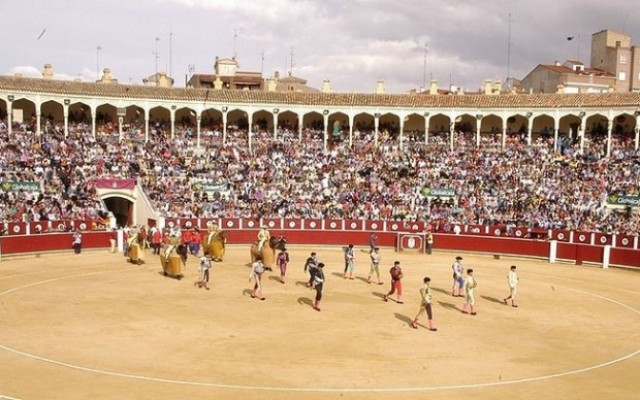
{"x": 433, "y": 87}
{"x": 276, "y": 75}
{"x": 326, "y": 86}
{"x": 560, "y": 88}
{"x": 380, "y": 86}
{"x": 106, "y": 76}
{"x": 488, "y": 87}
{"x": 272, "y": 84}
{"x": 217, "y": 84}
{"x": 47, "y": 73}
{"x": 557, "y": 63}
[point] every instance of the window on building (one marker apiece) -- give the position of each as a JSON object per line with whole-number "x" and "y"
{"x": 623, "y": 59}
{"x": 622, "y": 76}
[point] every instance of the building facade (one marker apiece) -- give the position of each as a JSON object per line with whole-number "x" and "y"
{"x": 560, "y": 114}
{"x": 613, "y": 53}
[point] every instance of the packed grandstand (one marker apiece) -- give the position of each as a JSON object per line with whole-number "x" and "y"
{"x": 283, "y": 175}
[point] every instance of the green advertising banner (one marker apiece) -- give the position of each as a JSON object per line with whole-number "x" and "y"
{"x": 441, "y": 192}
{"x": 208, "y": 187}
{"x": 16, "y": 186}
{"x": 627, "y": 201}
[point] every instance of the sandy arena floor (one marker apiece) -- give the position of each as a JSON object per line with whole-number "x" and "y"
{"x": 95, "y": 327}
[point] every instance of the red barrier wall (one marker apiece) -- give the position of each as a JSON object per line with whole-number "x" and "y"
{"x": 51, "y": 242}
{"x": 473, "y": 243}
{"x": 626, "y": 257}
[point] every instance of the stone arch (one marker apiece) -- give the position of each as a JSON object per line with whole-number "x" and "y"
{"x": 363, "y": 126}
{"x": 491, "y": 124}
{"x": 3, "y": 109}
{"x": 542, "y": 125}
{"x": 568, "y": 126}
{"x": 338, "y": 126}
{"x": 134, "y": 114}
{"x": 24, "y": 110}
{"x": 439, "y": 123}
{"x": 106, "y": 113}
{"x": 414, "y": 128}
{"x": 185, "y": 116}
{"x": 596, "y": 124}
{"x": 238, "y": 127}
{"x": 79, "y": 112}
{"x": 159, "y": 122}
{"x": 237, "y": 119}
{"x": 262, "y": 122}
{"x": 517, "y": 124}
{"x": 52, "y": 111}
{"x": 624, "y": 124}
{"x": 210, "y": 118}
{"x": 288, "y": 120}
{"x": 313, "y": 123}
{"x": 389, "y": 125}
{"x": 465, "y": 123}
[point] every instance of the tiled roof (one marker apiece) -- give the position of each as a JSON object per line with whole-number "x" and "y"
{"x": 566, "y": 70}
{"x": 132, "y": 92}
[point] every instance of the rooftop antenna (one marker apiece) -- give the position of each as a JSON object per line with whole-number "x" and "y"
{"x": 424, "y": 68}
{"x": 509, "y": 53}
{"x": 157, "y": 54}
{"x": 262, "y": 63}
{"x": 98, "y": 48}
{"x": 170, "y": 53}
{"x": 624, "y": 23}
{"x": 291, "y": 63}
{"x": 235, "y": 43}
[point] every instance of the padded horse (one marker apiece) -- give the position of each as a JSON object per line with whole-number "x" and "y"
{"x": 215, "y": 243}
{"x": 268, "y": 252}
{"x": 136, "y": 249}
{"x": 173, "y": 258}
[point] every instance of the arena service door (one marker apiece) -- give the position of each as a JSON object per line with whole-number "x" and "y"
{"x": 121, "y": 208}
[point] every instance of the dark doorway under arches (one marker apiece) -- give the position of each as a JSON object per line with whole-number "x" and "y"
{"x": 122, "y": 210}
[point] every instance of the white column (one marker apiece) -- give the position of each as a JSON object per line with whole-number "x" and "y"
{"x": 452, "y": 127}
{"x": 637, "y": 130}
{"x": 376, "y": 124}
{"x": 93, "y": 123}
{"x": 426, "y": 129}
{"x": 10, "y": 116}
{"x": 401, "y": 133}
{"x": 173, "y": 123}
{"x": 606, "y": 255}
{"x": 300, "y": 129}
{"x": 224, "y": 128}
{"x": 555, "y": 135}
{"x": 198, "y": 129}
{"x": 38, "y": 123}
{"x": 582, "y": 131}
{"x": 478, "y": 126}
{"x": 504, "y": 133}
{"x": 553, "y": 251}
{"x": 250, "y": 133}
{"x": 275, "y": 126}
{"x": 120, "y": 122}
{"x": 529, "y": 131}
{"x": 65, "y": 112}
{"x": 609, "y": 129}
{"x": 351, "y": 118}
{"x": 326, "y": 130}
{"x": 146, "y": 125}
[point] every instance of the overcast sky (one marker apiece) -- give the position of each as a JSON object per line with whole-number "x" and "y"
{"x": 351, "y": 42}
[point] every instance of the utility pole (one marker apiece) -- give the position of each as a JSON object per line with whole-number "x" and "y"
{"x": 170, "y": 53}
{"x": 98, "y": 62}
{"x": 157, "y": 56}
{"x": 235, "y": 43}
{"x": 424, "y": 68}
{"x": 509, "y": 53}
{"x": 262, "y": 63}
{"x": 291, "y": 63}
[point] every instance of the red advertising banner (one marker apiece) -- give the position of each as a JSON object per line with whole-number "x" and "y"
{"x": 118, "y": 184}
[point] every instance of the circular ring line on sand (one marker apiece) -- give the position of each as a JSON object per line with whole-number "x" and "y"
{"x": 313, "y": 389}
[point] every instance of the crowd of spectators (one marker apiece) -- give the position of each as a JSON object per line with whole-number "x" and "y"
{"x": 280, "y": 176}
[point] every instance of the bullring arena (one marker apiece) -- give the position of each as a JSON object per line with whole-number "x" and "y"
{"x": 95, "y": 326}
